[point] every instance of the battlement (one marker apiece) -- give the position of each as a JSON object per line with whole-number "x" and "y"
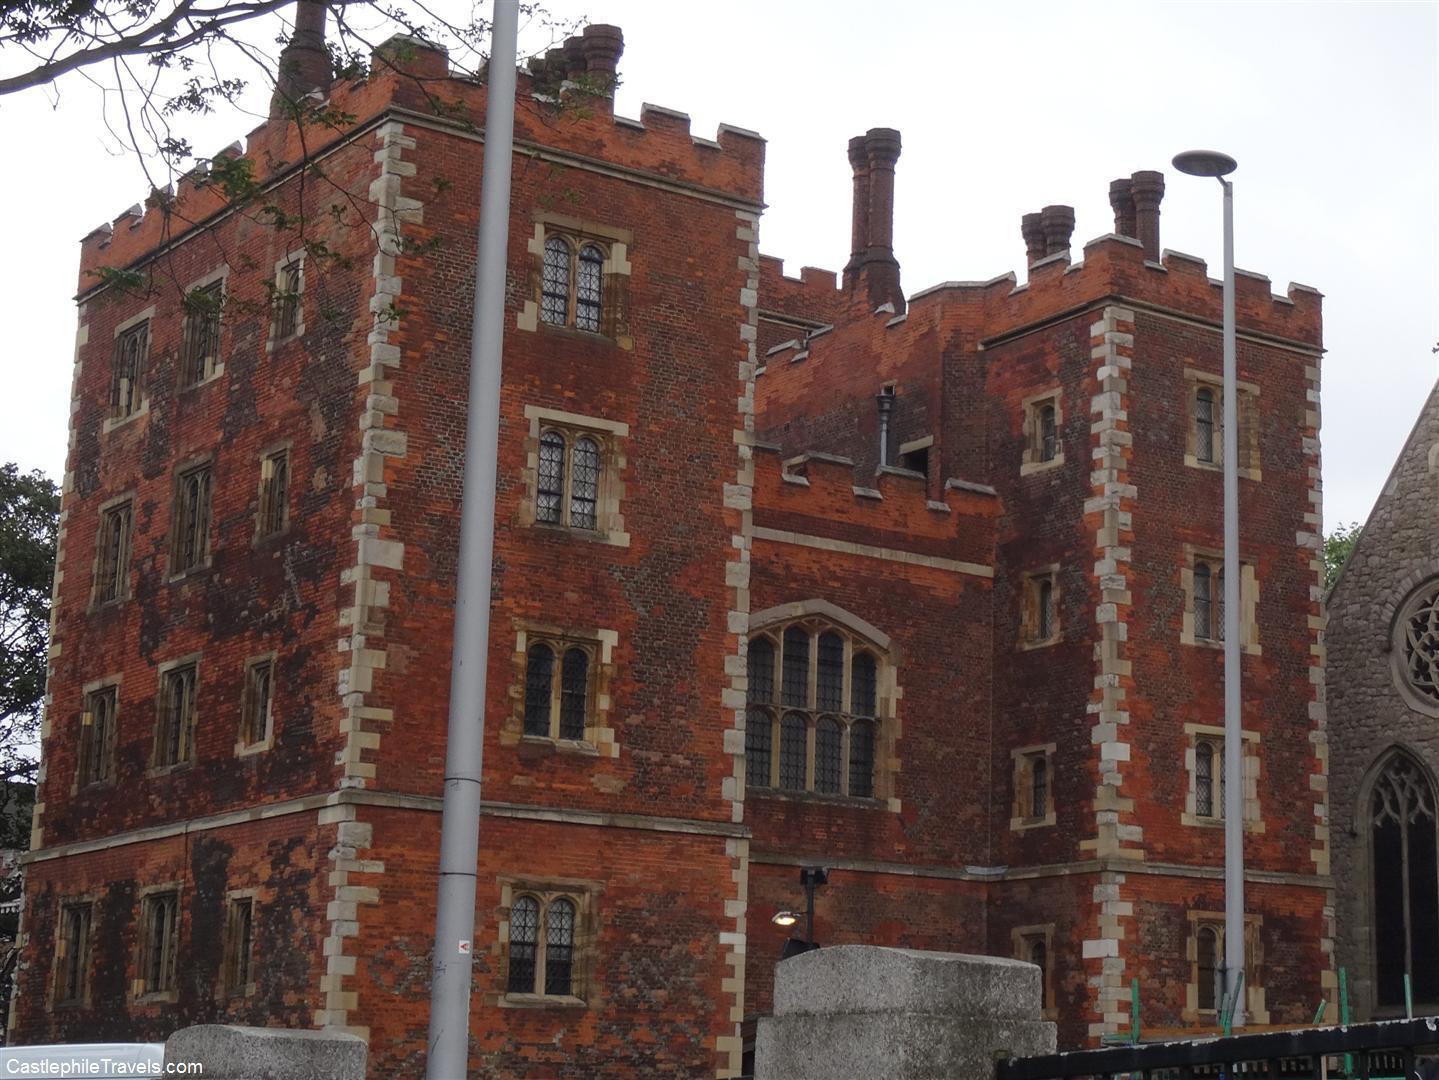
{"x": 816, "y": 494}
{"x": 814, "y": 295}
{"x": 413, "y": 79}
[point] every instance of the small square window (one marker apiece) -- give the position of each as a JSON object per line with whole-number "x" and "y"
{"x": 160, "y": 942}
{"x": 190, "y": 543}
{"x": 200, "y": 354}
{"x": 96, "y": 749}
{"x": 274, "y": 493}
{"x": 72, "y": 953}
{"x": 112, "y": 555}
{"x": 1043, "y": 433}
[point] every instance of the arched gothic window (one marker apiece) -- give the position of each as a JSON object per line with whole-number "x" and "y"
{"x": 1406, "y": 883}
{"x": 568, "y": 478}
{"x": 572, "y": 289}
{"x": 812, "y": 714}
{"x": 542, "y": 942}
{"x": 1208, "y": 781}
{"x": 557, "y": 708}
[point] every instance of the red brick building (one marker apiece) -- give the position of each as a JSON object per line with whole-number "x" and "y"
{"x": 787, "y": 572}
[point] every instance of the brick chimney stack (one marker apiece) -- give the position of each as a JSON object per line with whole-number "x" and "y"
{"x": 1058, "y": 223}
{"x": 1148, "y": 190}
{"x": 304, "y": 63}
{"x": 1031, "y": 227}
{"x": 872, "y": 268}
{"x": 1121, "y": 198}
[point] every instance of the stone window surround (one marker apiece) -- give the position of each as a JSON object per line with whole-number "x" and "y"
{"x": 599, "y": 738}
{"x": 1256, "y": 1009}
{"x": 1024, "y": 758}
{"x": 242, "y": 748}
{"x": 615, "y": 243}
{"x": 85, "y": 691}
{"x": 1248, "y": 600}
{"x": 193, "y": 659}
{"x": 1249, "y": 768}
{"x": 1031, "y": 461}
{"x": 819, "y": 615}
{"x": 1414, "y": 590}
{"x": 221, "y": 275}
{"x": 285, "y": 447}
{"x": 141, "y": 952}
{"x": 110, "y": 423}
{"x": 1248, "y": 424}
{"x": 180, "y": 471}
{"x": 1031, "y": 582}
{"x": 104, "y": 509}
{"x": 225, "y": 988}
{"x": 85, "y": 899}
{"x": 272, "y": 339}
{"x": 585, "y": 896}
{"x": 609, "y": 523}
{"x": 1022, "y": 937}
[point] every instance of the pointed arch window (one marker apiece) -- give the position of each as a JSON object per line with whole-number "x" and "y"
{"x": 549, "y": 944}
{"x": 573, "y": 283}
{"x": 1406, "y": 883}
{"x": 812, "y": 713}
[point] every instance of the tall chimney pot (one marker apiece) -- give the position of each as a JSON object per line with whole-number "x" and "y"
{"x": 1031, "y": 227}
{"x": 1121, "y": 198}
{"x": 1148, "y": 190}
{"x": 1058, "y": 223}
{"x": 304, "y": 63}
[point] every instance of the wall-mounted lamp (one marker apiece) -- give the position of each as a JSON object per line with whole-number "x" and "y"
{"x": 810, "y": 878}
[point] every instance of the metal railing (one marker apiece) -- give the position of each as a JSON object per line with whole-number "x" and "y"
{"x": 1389, "y": 1048}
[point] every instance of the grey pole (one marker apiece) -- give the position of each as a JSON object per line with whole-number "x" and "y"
{"x": 448, "y": 1057}
{"x": 1234, "y": 980}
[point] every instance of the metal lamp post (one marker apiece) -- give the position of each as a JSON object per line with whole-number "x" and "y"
{"x": 449, "y": 1044}
{"x": 1217, "y": 165}
{"x": 810, "y": 878}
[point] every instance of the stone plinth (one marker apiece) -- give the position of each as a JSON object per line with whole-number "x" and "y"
{"x": 896, "y": 1014}
{"x": 230, "y": 1052}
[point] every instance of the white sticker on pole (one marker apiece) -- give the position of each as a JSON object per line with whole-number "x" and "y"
{"x": 464, "y": 947}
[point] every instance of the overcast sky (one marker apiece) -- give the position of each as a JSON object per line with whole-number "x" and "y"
{"x": 1332, "y": 110}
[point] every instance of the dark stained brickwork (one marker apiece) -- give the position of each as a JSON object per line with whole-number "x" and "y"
{"x": 728, "y": 504}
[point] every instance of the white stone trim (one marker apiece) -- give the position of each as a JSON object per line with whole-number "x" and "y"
{"x": 846, "y": 547}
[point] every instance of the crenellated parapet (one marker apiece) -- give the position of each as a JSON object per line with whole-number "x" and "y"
{"x": 572, "y": 121}
{"x": 814, "y": 295}
{"x": 818, "y": 494}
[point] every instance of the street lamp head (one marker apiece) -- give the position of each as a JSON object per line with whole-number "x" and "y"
{"x": 784, "y": 918}
{"x": 1205, "y": 163}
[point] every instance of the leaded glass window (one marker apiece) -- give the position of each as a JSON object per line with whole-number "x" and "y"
{"x": 1208, "y": 780}
{"x": 796, "y": 668}
{"x": 1204, "y": 425}
{"x": 524, "y": 945}
{"x": 1049, "y": 438}
{"x": 132, "y": 348}
{"x": 1206, "y": 946}
{"x": 585, "y": 483}
{"x": 191, "y": 544}
{"x": 97, "y": 736}
{"x": 813, "y": 728}
{"x": 162, "y": 939}
{"x": 174, "y": 732}
{"x": 588, "y": 288}
{"x": 574, "y": 693}
{"x": 550, "y": 490}
{"x": 793, "y": 751}
{"x": 555, "y": 294}
{"x": 1421, "y": 645}
{"x": 559, "y": 946}
{"x": 1203, "y": 602}
{"x": 113, "y": 564}
{"x": 1038, "y": 787}
{"x": 202, "y": 333}
{"x": 558, "y": 683}
{"x": 828, "y": 756}
{"x": 539, "y": 674}
{"x": 829, "y": 686}
{"x": 569, "y": 476}
{"x": 861, "y": 759}
{"x": 72, "y": 975}
{"x": 1046, "y": 609}
{"x": 572, "y": 286}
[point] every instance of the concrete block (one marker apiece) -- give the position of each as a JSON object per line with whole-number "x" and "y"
{"x": 231, "y": 1052}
